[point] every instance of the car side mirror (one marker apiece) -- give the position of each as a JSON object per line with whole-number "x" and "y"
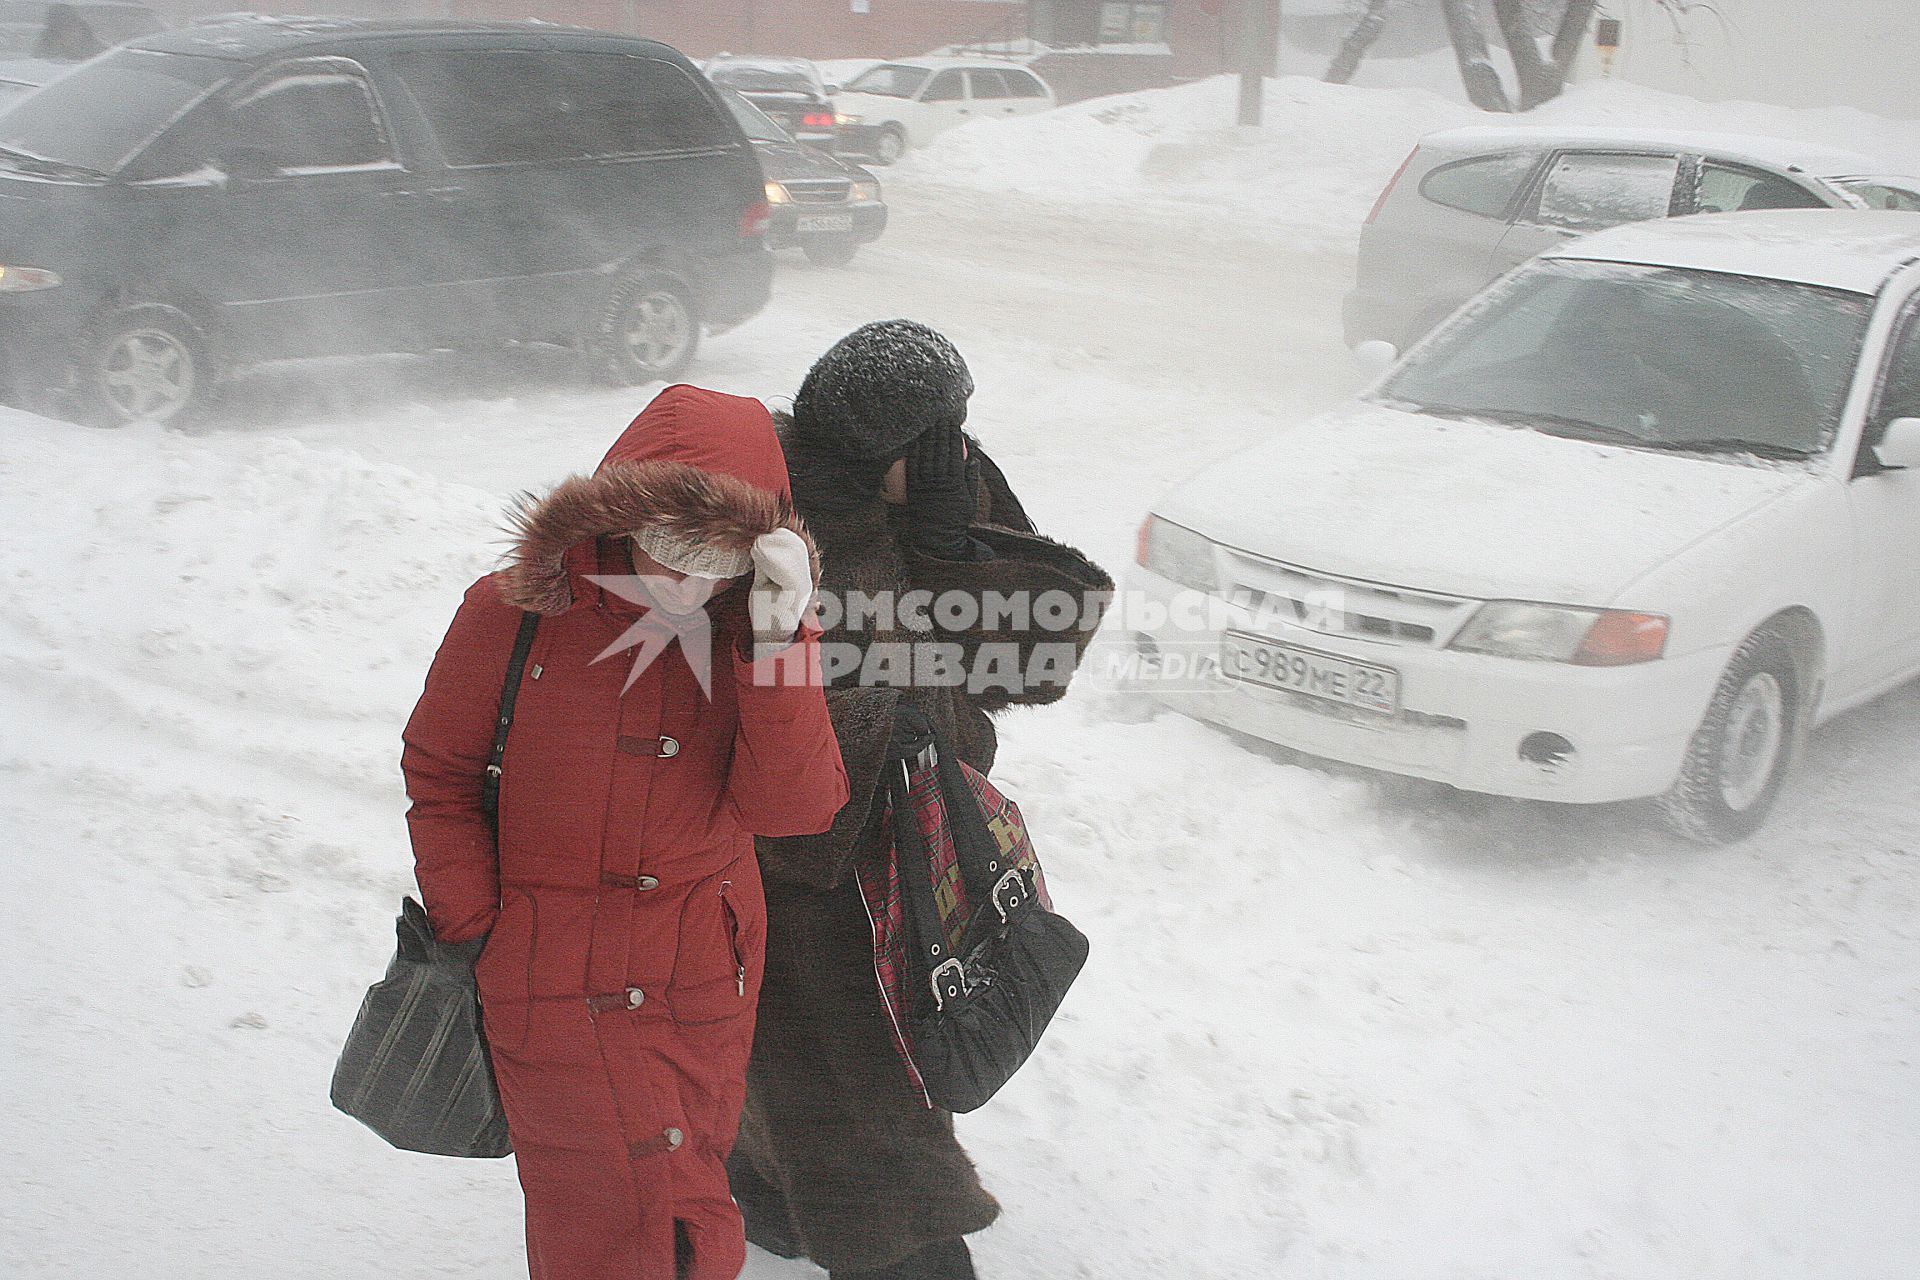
{"x": 832, "y": 89}
{"x": 1899, "y": 447}
{"x": 1374, "y": 357}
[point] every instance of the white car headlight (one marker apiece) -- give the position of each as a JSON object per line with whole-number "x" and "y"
{"x": 864, "y": 192}
{"x": 777, "y": 194}
{"x": 1177, "y": 554}
{"x": 1558, "y": 633}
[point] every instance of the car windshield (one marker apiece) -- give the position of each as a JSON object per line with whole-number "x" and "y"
{"x": 753, "y": 121}
{"x": 1882, "y": 195}
{"x": 1654, "y": 357}
{"x": 890, "y": 80}
{"x": 763, "y": 80}
{"x": 99, "y": 117}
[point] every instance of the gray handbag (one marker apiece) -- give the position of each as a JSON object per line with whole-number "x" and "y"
{"x": 415, "y": 1068}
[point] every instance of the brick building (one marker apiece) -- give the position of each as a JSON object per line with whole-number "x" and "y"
{"x": 701, "y": 28}
{"x": 1179, "y": 39}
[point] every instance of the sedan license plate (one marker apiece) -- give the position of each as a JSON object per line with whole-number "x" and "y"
{"x": 1317, "y": 675}
{"x": 826, "y": 222}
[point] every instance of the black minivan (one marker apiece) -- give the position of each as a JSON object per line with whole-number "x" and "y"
{"x": 268, "y": 188}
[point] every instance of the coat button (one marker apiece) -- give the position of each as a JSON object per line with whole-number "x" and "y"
{"x": 635, "y": 997}
{"x": 669, "y": 747}
{"x": 674, "y": 1138}
{"x": 644, "y": 883}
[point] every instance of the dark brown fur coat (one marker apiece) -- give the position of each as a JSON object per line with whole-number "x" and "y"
{"x": 868, "y": 1173}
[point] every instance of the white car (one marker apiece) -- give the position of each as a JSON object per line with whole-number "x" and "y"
{"x": 905, "y": 103}
{"x": 1625, "y": 526}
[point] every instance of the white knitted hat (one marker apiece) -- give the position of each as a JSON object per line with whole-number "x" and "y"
{"x": 691, "y": 556}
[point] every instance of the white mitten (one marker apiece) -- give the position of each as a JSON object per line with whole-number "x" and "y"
{"x": 782, "y": 587}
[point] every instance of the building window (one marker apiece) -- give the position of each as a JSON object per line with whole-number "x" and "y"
{"x": 1133, "y": 22}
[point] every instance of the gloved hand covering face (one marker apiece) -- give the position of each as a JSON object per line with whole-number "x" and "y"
{"x": 941, "y": 491}
{"x": 782, "y": 588}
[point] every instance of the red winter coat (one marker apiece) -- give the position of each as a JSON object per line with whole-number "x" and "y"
{"x": 622, "y": 896}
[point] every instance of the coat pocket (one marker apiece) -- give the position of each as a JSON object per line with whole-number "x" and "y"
{"x": 717, "y": 973}
{"x": 504, "y": 972}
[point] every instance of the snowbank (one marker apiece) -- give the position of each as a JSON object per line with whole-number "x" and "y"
{"x": 207, "y": 650}
{"x": 1315, "y": 167}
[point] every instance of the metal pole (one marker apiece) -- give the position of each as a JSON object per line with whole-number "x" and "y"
{"x": 1256, "y": 54}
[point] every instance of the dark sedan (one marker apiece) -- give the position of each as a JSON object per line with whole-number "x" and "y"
{"x": 823, "y": 205}
{"x": 787, "y": 89}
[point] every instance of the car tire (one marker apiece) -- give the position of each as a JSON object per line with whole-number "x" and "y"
{"x": 830, "y": 253}
{"x": 649, "y": 329}
{"x": 1739, "y": 757}
{"x": 148, "y": 363}
{"x": 891, "y": 145}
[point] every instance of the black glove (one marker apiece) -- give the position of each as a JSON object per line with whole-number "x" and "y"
{"x": 941, "y": 494}
{"x": 912, "y": 733}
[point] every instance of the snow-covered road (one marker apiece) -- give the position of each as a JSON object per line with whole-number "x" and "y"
{"x": 1333, "y": 1027}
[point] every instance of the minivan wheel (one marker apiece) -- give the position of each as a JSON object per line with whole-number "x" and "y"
{"x": 649, "y": 330}
{"x": 144, "y": 364}
{"x": 831, "y": 253}
{"x": 891, "y": 145}
{"x": 1738, "y": 760}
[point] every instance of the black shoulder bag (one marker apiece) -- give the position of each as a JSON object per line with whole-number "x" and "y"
{"x": 415, "y": 1068}
{"x": 984, "y": 1007}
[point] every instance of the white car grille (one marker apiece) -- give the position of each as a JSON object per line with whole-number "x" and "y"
{"x": 1343, "y": 606}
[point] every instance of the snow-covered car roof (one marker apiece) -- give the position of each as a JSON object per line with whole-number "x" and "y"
{"x": 773, "y": 69}
{"x": 1855, "y": 250}
{"x": 249, "y": 35}
{"x": 944, "y": 63}
{"x": 1784, "y": 153}
{"x": 756, "y": 60}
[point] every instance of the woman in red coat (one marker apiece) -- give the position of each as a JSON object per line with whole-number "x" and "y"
{"x": 669, "y": 713}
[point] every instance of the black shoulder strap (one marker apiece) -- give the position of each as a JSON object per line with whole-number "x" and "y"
{"x": 509, "y": 694}
{"x": 931, "y": 961}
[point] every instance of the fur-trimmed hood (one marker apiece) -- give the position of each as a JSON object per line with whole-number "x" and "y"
{"x": 697, "y": 463}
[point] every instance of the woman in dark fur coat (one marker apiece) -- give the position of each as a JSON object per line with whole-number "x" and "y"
{"x": 841, "y": 1158}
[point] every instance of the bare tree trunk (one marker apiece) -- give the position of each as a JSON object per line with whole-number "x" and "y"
{"x": 1542, "y": 73}
{"x": 1464, "y": 26}
{"x": 1359, "y": 40}
{"x": 1573, "y": 30}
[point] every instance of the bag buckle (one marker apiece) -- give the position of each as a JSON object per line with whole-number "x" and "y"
{"x": 1014, "y": 885}
{"x": 958, "y": 989}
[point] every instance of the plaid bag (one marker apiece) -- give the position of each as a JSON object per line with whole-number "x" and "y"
{"x": 935, "y": 853}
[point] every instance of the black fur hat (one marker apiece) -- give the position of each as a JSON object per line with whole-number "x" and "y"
{"x": 877, "y": 389}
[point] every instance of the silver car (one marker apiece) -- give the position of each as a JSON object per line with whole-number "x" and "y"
{"x": 1470, "y": 204}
